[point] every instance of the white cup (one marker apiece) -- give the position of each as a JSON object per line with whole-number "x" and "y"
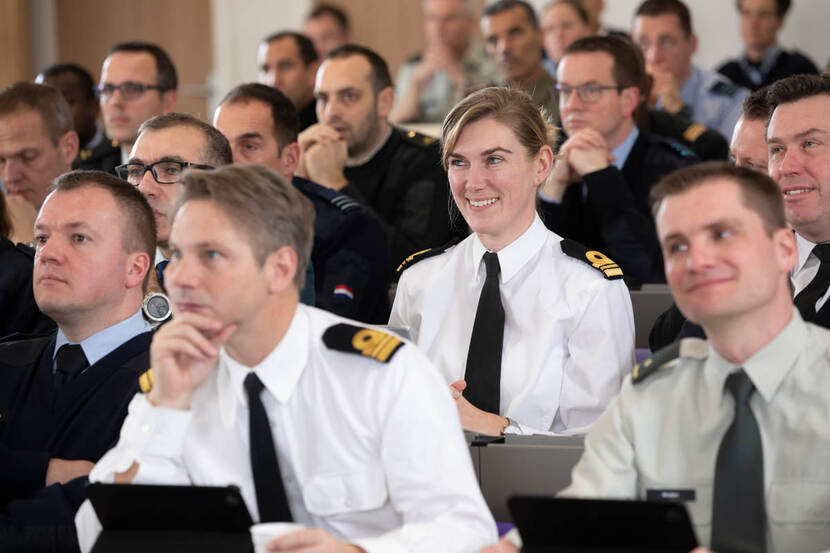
{"x": 264, "y": 532}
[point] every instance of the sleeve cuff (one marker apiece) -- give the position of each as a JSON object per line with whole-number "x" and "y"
{"x": 386, "y": 543}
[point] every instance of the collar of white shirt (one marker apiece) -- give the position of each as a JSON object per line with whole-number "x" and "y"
{"x": 768, "y": 367}
{"x": 101, "y": 343}
{"x": 805, "y": 248}
{"x": 279, "y": 371}
{"x": 515, "y": 255}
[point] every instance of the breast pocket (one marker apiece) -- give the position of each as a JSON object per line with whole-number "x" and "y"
{"x": 700, "y": 508}
{"x": 359, "y": 490}
{"x": 799, "y": 503}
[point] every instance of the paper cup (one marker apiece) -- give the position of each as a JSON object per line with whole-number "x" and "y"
{"x": 264, "y": 532}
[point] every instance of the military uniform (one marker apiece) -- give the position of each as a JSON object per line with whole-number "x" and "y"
{"x": 544, "y": 95}
{"x": 406, "y": 186}
{"x": 776, "y": 64}
{"x": 350, "y": 256}
{"x": 18, "y": 310}
{"x": 662, "y": 434}
{"x": 105, "y": 156}
{"x": 609, "y": 210}
{"x": 712, "y": 100}
{"x": 706, "y": 143}
{"x": 308, "y": 115}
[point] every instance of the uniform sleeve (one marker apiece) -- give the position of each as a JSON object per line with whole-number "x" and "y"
{"x": 21, "y": 472}
{"x": 151, "y": 436}
{"x": 601, "y": 353}
{"x": 606, "y": 468}
{"x": 428, "y": 468}
{"x": 402, "y": 308}
{"x": 628, "y": 233}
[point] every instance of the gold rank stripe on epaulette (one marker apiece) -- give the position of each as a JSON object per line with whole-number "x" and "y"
{"x": 693, "y": 132}
{"x": 418, "y": 138}
{"x": 662, "y": 356}
{"x": 411, "y": 258}
{"x": 374, "y": 344}
{"x": 425, "y": 254}
{"x": 85, "y": 154}
{"x": 595, "y": 259}
{"x": 145, "y": 381}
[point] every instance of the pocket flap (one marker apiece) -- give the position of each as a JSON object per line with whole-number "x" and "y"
{"x": 799, "y": 502}
{"x": 361, "y": 490}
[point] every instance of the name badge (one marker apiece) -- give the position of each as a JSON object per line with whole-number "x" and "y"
{"x": 670, "y": 495}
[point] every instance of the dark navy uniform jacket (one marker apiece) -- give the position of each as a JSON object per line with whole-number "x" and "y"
{"x": 609, "y": 211}
{"x": 350, "y": 256}
{"x": 81, "y": 420}
{"x": 780, "y": 65}
{"x": 18, "y": 311}
{"x": 106, "y": 156}
{"x": 405, "y": 184}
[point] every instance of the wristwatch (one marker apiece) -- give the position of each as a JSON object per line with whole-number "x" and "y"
{"x": 156, "y": 307}
{"x": 511, "y": 428}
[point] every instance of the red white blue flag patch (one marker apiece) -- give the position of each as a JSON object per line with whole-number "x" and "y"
{"x": 344, "y": 291}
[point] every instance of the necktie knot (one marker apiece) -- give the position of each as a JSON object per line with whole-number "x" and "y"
{"x": 253, "y": 385}
{"x": 491, "y": 264}
{"x": 822, "y": 251}
{"x": 740, "y": 386}
{"x": 70, "y": 361}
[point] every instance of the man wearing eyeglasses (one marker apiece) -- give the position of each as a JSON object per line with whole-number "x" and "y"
{"x": 138, "y": 81}
{"x": 598, "y": 191}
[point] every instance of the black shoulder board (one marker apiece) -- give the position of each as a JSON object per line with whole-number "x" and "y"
{"x": 679, "y": 148}
{"x": 416, "y": 138}
{"x": 375, "y": 344}
{"x": 145, "y": 381}
{"x": 595, "y": 259}
{"x": 641, "y": 371}
{"x": 724, "y": 88}
{"x": 424, "y": 254}
{"x": 25, "y": 248}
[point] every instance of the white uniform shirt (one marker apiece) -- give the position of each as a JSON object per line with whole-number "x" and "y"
{"x": 568, "y": 332}
{"x": 806, "y": 269}
{"x": 664, "y": 434}
{"x": 371, "y": 452}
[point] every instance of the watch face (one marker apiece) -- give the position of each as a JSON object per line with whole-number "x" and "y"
{"x": 158, "y": 308}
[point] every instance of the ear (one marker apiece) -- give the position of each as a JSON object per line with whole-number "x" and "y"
{"x": 280, "y": 267}
{"x": 290, "y": 158}
{"x": 386, "y": 98}
{"x": 68, "y": 145}
{"x": 543, "y": 165}
{"x": 168, "y": 100}
{"x": 138, "y": 263}
{"x": 786, "y": 248}
{"x": 631, "y": 99}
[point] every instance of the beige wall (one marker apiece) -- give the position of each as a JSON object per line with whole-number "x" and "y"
{"x": 15, "y": 45}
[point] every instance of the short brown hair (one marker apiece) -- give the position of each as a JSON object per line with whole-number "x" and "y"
{"x": 43, "y": 99}
{"x": 139, "y": 225}
{"x": 756, "y": 106}
{"x": 575, "y": 5}
{"x": 511, "y": 107}
{"x": 217, "y": 149}
{"x": 795, "y": 88}
{"x": 378, "y": 69}
{"x": 652, "y": 8}
{"x": 268, "y": 207}
{"x": 760, "y": 193}
{"x": 286, "y": 121}
{"x": 629, "y": 66}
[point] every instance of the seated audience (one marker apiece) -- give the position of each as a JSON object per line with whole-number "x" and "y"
{"x": 534, "y": 333}
{"x": 350, "y": 251}
{"x": 138, "y": 81}
{"x": 18, "y": 310}
{"x": 598, "y": 191}
{"x": 764, "y": 61}
{"x": 252, "y": 389}
{"x": 288, "y": 62}
{"x": 97, "y": 150}
{"x": 356, "y": 151}
{"x": 432, "y": 82}
{"x": 513, "y": 39}
{"x": 328, "y": 28}
{"x": 37, "y": 143}
{"x": 63, "y": 396}
{"x": 663, "y": 31}
{"x": 735, "y": 427}
{"x": 596, "y": 26}
{"x": 563, "y": 22}
{"x": 749, "y": 145}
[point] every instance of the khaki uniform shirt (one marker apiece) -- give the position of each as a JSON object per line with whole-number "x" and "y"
{"x": 664, "y": 433}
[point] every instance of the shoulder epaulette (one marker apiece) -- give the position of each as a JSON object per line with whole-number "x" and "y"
{"x": 344, "y": 203}
{"x": 85, "y": 154}
{"x": 25, "y": 248}
{"x": 145, "y": 381}
{"x": 693, "y": 132}
{"x": 678, "y": 148}
{"x": 694, "y": 348}
{"x": 368, "y": 342}
{"x": 416, "y": 138}
{"x": 425, "y": 254}
{"x": 724, "y": 88}
{"x": 595, "y": 259}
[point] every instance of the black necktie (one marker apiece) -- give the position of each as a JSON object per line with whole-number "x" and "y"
{"x": 483, "y": 372}
{"x": 270, "y": 494}
{"x": 69, "y": 362}
{"x": 160, "y": 272}
{"x": 806, "y": 300}
{"x": 738, "y": 514}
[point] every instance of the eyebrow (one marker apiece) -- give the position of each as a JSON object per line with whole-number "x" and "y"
{"x": 249, "y": 135}
{"x": 720, "y": 223}
{"x": 71, "y": 226}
